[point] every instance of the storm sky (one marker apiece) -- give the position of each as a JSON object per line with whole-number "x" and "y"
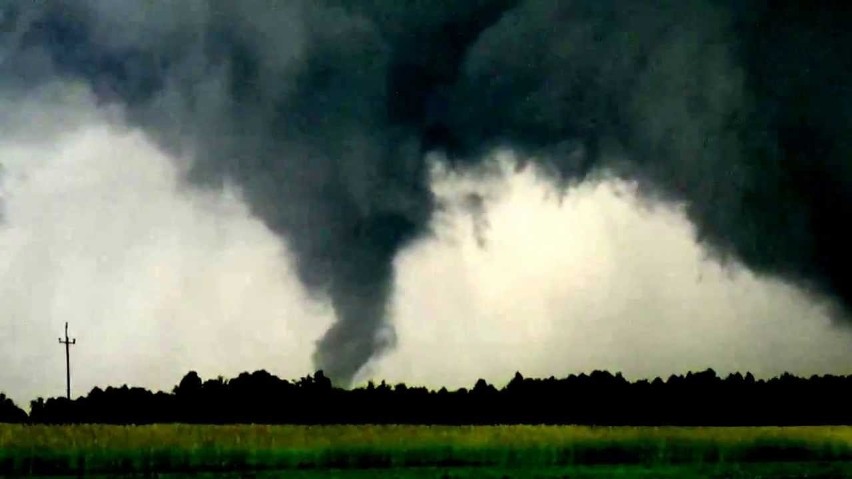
{"x": 421, "y": 192}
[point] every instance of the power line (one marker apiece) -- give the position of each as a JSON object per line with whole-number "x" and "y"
{"x": 67, "y": 344}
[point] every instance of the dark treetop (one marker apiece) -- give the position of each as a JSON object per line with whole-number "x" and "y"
{"x": 599, "y": 398}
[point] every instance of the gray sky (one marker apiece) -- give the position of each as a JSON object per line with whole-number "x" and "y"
{"x": 157, "y": 279}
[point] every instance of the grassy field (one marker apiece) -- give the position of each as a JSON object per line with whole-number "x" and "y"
{"x": 413, "y": 451}
{"x": 719, "y": 471}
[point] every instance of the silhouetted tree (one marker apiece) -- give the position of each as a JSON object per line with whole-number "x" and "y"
{"x": 600, "y": 397}
{"x": 9, "y": 412}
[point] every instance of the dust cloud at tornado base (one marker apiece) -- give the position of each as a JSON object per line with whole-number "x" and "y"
{"x": 156, "y": 279}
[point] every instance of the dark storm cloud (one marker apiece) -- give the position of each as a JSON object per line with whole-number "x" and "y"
{"x": 322, "y": 112}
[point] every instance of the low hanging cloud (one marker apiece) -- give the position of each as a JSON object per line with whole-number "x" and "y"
{"x": 323, "y": 116}
{"x": 154, "y": 279}
{"x": 157, "y": 279}
{"x": 598, "y": 280}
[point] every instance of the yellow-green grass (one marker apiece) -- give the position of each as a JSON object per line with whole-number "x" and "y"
{"x": 835, "y": 470}
{"x": 161, "y": 448}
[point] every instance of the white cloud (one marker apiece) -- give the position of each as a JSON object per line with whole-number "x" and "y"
{"x": 154, "y": 279}
{"x": 157, "y": 279}
{"x": 596, "y": 282}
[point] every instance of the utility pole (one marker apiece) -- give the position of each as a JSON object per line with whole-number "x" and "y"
{"x": 67, "y": 344}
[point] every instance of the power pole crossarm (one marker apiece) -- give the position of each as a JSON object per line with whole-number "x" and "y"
{"x": 67, "y": 342}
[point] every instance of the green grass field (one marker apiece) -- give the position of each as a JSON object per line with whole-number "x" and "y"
{"x": 415, "y": 451}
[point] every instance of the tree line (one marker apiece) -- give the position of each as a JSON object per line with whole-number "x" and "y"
{"x": 599, "y": 398}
